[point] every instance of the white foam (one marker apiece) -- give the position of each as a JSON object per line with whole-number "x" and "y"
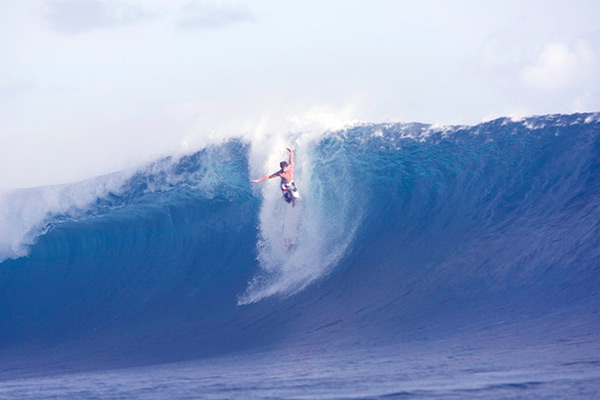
{"x": 298, "y": 245}
{"x": 26, "y": 213}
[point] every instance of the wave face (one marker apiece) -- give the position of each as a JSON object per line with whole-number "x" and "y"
{"x": 401, "y": 229}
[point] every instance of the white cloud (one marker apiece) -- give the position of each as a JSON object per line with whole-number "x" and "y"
{"x": 560, "y": 67}
{"x": 212, "y": 15}
{"x": 77, "y": 16}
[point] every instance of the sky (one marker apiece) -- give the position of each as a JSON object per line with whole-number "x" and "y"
{"x": 89, "y": 87}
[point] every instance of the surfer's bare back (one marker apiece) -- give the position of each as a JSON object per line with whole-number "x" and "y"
{"x": 286, "y": 173}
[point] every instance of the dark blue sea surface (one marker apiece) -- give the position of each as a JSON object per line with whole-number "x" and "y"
{"x": 420, "y": 262}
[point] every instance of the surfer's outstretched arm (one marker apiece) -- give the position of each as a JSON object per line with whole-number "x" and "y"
{"x": 291, "y": 156}
{"x": 264, "y": 178}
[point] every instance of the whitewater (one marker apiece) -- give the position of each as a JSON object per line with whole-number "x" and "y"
{"x": 421, "y": 261}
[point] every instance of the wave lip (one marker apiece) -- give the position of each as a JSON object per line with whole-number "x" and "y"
{"x": 26, "y": 214}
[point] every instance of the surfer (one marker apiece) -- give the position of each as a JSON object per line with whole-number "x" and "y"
{"x": 286, "y": 173}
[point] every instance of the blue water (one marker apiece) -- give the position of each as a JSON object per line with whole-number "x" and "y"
{"x": 420, "y": 262}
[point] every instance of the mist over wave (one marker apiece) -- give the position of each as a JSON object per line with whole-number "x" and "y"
{"x": 400, "y": 229}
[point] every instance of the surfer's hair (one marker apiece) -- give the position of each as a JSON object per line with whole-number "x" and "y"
{"x": 283, "y": 164}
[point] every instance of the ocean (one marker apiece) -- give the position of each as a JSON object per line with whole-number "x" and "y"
{"x": 421, "y": 261}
